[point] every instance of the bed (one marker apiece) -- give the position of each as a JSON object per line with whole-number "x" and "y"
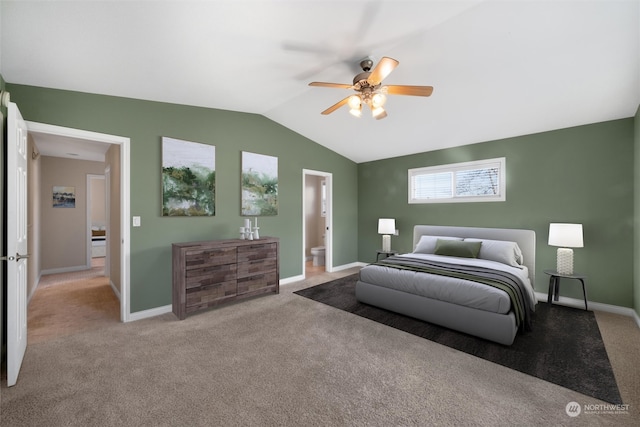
{"x": 98, "y": 241}
{"x": 490, "y": 296}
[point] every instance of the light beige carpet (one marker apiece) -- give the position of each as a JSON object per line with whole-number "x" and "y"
{"x": 96, "y": 270}
{"x": 284, "y": 360}
{"x": 69, "y": 303}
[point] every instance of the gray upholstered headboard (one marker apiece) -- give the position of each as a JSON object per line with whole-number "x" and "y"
{"x": 526, "y": 239}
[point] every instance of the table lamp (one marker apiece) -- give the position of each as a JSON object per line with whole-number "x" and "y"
{"x": 386, "y": 227}
{"x": 565, "y": 236}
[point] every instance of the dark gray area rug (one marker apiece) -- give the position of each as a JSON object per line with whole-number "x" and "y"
{"x": 565, "y": 346}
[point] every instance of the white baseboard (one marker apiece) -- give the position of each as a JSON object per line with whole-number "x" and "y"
{"x": 635, "y": 315}
{"x": 34, "y": 288}
{"x": 348, "y": 266}
{"x": 65, "y": 270}
{"x": 291, "y": 279}
{"x": 115, "y": 290}
{"x": 540, "y": 296}
{"x": 33, "y": 291}
{"x": 139, "y": 315}
{"x": 145, "y": 314}
{"x": 299, "y": 277}
{"x": 579, "y": 303}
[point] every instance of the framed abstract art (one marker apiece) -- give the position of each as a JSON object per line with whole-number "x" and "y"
{"x": 259, "y": 185}
{"x": 188, "y": 178}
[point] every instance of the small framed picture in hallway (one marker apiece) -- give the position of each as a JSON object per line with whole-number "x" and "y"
{"x": 64, "y": 197}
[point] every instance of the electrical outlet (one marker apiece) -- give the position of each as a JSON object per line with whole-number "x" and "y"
{"x": 397, "y": 233}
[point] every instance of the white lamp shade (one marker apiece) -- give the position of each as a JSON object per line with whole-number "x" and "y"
{"x": 354, "y": 102}
{"x": 566, "y": 235}
{"x": 386, "y": 226}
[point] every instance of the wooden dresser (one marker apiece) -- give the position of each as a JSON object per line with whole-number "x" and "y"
{"x": 206, "y": 274}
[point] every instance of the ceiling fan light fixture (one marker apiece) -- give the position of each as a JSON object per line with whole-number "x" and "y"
{"x": 355, "y": 102}
{"x": 378, "y": 113}
{"x": 370, "y": 91}
{"x": 356, "y": 111}
{"x": 378, "y": 100}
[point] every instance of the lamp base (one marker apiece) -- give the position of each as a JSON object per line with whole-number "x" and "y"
{"x": 565, "y": 261}
{"x": 386, "y": 243}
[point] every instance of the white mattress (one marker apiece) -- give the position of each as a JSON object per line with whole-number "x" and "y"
{"x": 457, "y": 291}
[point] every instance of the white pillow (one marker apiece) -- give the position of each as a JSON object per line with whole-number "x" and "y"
{"x": 502, "y": 251}
{"x": 427, "y": 244}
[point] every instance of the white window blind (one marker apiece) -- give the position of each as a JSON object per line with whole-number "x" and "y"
{"x": 434, "y": 185}
{"x": 478, "y": 181}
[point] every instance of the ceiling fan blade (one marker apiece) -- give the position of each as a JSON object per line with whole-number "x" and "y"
{"x": 335, "y": 106}
{"x": 336, "y": 85}
{"x": 307, "y": 48}
{"x": 382, "y": 70}
{"x": 409, "y": 90}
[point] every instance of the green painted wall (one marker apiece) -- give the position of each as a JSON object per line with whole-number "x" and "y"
{"x": 636, "y": 233}
{"x": 583, "y": 174}
{"x": 231, "y": 132}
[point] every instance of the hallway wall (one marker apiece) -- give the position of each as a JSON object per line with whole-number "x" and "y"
{"x": 63, "y": 231}
{"x": 34, "y": 206}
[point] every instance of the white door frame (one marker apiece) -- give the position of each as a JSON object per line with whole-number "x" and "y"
{"x": 125, "y": 247}
{"x": 90, "y": 197}
{"x": 107, "y": 216}
{"x": 328, "y": 242}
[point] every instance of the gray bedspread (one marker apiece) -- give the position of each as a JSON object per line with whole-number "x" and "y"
{"x": 511, "y": 284}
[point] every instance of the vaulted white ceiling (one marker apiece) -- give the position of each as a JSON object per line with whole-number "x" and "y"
{"x": 499, "y": 68}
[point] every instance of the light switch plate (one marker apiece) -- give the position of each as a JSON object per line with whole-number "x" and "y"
{"x": 136, "y": 221}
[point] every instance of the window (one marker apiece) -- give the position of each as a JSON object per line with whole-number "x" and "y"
{"x": 478, "y": 181}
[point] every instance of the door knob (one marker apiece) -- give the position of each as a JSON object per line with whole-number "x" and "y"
{"x": 18, "y": 257}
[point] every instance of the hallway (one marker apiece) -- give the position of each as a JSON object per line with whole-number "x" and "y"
{"x": 69, "y": 303}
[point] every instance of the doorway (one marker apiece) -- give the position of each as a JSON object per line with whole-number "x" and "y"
{"x": 118, "y": 214}
{"x": 97, "y": 222}
{"x": 317, "y": 223}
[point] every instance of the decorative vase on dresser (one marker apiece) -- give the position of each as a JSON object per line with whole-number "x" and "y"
{"x": 210, "y": 273}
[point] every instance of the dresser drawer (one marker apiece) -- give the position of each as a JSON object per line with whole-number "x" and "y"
{"x": 258, "y": 284}
{"x": 205, "y": 276}
{"x": 206, "y": 295}
{"x": 207, "y": 257}
{"x": 257, "y": 251}
{"x": 251, "y": 268}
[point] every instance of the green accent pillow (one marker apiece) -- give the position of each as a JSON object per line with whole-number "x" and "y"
{"x": 457, "y": 248}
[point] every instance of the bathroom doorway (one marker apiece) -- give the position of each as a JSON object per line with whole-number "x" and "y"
{"x": 317, "y": 213}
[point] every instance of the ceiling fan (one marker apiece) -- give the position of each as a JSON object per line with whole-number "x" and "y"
{"x": 368, "y": 85}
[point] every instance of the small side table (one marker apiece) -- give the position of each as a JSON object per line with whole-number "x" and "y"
{"x": 385, "y": 253}
{"x": 554, "y": 284}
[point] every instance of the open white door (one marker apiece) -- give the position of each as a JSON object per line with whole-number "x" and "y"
{"x": 16, "y": 256}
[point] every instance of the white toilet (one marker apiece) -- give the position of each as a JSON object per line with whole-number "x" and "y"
{"x": 318, "y": 255}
